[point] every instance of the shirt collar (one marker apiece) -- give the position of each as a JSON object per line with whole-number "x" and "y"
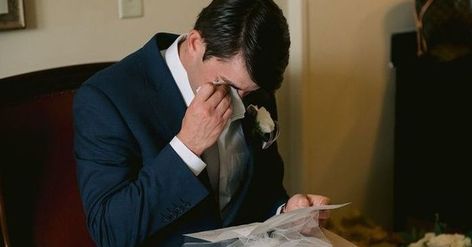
{"x": 181, "y": 78}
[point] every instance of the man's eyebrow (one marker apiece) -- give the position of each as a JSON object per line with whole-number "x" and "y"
{"x": 230, "y": 83}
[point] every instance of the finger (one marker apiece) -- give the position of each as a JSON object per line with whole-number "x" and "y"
{"x": 297, "y": 201}
{"x": 324, "y": 215}
{"x": 224, "y": 104}
{"x": 221, "y": 124}
{"x": 322, "y": 222}
{"x": 316, "y": 200}
{"x": 227, "y": 114}
{"x": 219, "y": 94}
{"x": 204, "y": 92}
{"x": 303, "y": 203}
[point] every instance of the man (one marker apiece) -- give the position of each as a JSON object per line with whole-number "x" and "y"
{"x": 162, "y": 144}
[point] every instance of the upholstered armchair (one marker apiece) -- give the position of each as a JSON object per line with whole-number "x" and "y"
{"x": 39, "y": 197}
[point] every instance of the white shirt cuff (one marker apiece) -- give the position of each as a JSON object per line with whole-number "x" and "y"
{"x": 193, "y": 162}
{"x": 279, "y": 210}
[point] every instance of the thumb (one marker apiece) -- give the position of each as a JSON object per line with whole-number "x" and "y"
{"x": 316, "y": 200}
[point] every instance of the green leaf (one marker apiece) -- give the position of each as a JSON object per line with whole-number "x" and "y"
{"x": 439, "y": 227}
{"x": 469, "y": 234}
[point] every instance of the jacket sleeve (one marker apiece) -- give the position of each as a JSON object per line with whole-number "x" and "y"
{"x": 125, "y": 201}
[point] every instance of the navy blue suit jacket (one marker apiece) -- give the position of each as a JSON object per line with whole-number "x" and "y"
{"x": 135, "y": 189}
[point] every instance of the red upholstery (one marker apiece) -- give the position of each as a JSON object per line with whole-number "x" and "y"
{"x": 39, "y": 197}
{"x": 39, "y": 184}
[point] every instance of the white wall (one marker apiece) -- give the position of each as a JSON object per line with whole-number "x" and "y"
{"x": 71, "y": 32}
{"x": 344, "y": 90}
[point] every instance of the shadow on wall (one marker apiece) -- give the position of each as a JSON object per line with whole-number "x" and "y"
{"x": 400, "y": 18}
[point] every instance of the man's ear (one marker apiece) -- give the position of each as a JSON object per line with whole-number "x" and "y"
{"x": 195, "y": 44}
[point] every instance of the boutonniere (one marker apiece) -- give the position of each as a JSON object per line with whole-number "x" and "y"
{"x": 264, "y": 126}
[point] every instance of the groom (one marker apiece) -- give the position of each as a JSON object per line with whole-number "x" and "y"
{"x": 163, "y": 142}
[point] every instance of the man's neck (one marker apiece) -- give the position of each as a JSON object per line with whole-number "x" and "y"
{"x": 185, "y": 59}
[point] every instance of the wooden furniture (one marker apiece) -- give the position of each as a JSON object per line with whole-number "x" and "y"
{"x": 432, "y": 137}
{"x": 39, "y": 198}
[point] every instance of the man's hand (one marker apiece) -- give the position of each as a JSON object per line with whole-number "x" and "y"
{"x": 206, "y": 117}
{"x": 303, "y": 201}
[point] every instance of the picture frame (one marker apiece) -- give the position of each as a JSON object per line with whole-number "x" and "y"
{"x": 12, "y": 15}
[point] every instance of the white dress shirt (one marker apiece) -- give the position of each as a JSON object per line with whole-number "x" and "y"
{"x": 232, "y": 156}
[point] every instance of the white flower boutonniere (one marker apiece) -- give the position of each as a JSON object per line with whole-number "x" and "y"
{"x": 266, "y": 127}
{"x": 264, "y": 121}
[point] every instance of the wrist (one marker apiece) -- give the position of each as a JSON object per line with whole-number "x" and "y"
{"x": 188, "y": 144}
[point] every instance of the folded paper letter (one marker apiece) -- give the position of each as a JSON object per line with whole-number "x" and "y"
{"x": 298, "y": 228}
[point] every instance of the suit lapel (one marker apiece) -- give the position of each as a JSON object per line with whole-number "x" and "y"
{"x": 166, "y": 98}
{"x": 254, "y": 143}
